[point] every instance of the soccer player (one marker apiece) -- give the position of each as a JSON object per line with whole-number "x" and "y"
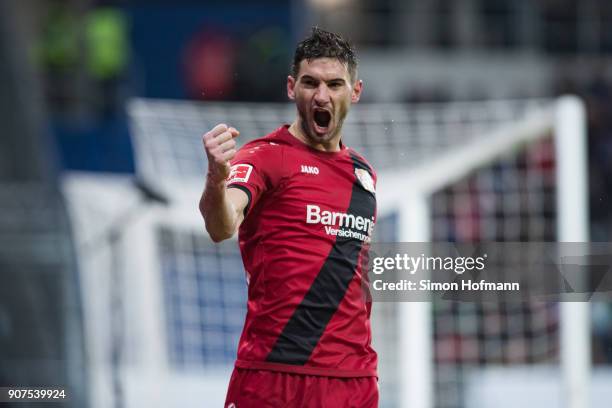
{"x": 304, "y": 205}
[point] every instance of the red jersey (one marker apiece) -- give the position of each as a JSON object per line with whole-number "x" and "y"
{"x": 306, "y": 231}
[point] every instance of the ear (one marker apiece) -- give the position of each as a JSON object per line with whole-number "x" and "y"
{"x": 291, "y": 87}
{"x": 357, "y": 88}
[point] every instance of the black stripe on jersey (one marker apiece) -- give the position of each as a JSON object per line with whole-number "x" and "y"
{"x": 308, "y": 322}
{"x": 248, "y": 193}
{"x": 359, "y": 163}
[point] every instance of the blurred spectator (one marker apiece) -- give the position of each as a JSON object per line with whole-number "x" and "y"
{"x": 209, "y": 64}
{"x": 219, "y": 67}
{"x": 85, "y": 57}
{"x": 58, "y": 52}
{"x": 107, "y": 56}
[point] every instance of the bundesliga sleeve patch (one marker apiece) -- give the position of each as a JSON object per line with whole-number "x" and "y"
{"x": 239, "y": 173}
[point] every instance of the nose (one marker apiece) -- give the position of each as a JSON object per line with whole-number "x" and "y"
{"x": 322, "y": 94}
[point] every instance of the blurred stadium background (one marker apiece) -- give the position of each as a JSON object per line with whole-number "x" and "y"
{"x": 110, "y": 287}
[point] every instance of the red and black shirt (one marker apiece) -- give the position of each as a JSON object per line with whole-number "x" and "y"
{"x": 305, "y": 235}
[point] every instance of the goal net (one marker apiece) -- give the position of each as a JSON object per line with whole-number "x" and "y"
{"x": 459, "y": 172}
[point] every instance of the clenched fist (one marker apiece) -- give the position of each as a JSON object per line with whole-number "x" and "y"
{"x": 220, "y": 148}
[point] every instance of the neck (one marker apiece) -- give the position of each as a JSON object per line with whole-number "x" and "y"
{"x": 332, "y": 145}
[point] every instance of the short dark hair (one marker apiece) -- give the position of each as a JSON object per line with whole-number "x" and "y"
{"x": 325, "y": 44}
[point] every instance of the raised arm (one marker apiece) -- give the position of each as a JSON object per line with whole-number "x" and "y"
{"x": 222, "y": 208}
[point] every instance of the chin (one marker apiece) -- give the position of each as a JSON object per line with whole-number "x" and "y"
{"x": 322, "y": 137}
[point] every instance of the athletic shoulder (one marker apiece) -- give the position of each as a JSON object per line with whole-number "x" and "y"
{"x": 269, "y": 142}
{"x": 263, "y": 158}
{"x": 258, "y": 167}
{"x": 362, "y": 162}
{"x": 262, "y": 153}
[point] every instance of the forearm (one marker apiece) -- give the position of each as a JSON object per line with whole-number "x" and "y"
{"x": 220, "y": 215}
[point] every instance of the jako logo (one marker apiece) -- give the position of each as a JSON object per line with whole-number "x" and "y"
{"x": 310, "y": 169}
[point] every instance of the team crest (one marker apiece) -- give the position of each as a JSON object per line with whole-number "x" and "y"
{"x": 366, "y": 180}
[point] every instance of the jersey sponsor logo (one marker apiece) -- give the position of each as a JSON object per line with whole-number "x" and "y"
{"x": 365, "y": 180}
{"x": 239, "y": 173}
{"x": 339, "y": 223}
{"x": 310, "y": 169}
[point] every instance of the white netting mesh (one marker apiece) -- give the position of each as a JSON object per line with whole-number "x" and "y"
{"x": 508, "y": 196}
{"x": 205, "y": 292}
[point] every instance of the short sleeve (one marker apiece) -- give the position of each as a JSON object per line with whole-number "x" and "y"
{"x": 252, "y": 171}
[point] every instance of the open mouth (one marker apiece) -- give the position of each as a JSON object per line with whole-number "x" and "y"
{"x": 322, "y": 118}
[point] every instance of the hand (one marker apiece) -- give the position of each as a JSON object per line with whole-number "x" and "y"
{"x": 220, "y": 148}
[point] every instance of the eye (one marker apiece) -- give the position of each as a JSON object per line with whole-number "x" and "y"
{"x": 335, "y": 85}
{"x": 308, "y": 83}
